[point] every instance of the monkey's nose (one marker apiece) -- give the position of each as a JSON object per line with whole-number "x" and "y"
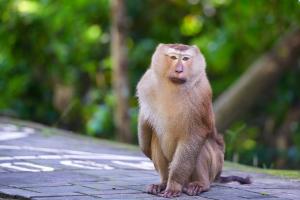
{"x": 179, "y": 69}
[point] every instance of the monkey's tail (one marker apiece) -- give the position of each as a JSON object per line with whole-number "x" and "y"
{"x": 241, "y": 180}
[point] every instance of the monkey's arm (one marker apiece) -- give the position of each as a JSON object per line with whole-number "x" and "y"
{"x": 144, "y": 135}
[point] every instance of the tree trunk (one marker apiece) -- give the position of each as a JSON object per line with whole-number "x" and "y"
{"x": 120, "y": 74}
{"x": 259, "y": 78}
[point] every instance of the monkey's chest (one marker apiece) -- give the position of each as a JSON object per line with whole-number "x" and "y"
{"x": 169, "y": 124}
{"x": 166, "y": 118}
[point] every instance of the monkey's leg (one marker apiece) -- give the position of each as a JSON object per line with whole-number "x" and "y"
{"x": 182, "y": 166}
{"x": 161, "y": 165}
{"x": 208, "y": 167}
{"x": 199, "y": 182}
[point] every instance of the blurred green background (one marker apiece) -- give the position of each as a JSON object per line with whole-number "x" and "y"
{"x": 56, "y": 65}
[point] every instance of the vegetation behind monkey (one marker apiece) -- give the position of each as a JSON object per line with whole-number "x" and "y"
{"x": 176, "y": 126}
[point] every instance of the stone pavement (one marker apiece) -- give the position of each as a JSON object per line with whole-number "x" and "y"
{"x": 47, "y": 164}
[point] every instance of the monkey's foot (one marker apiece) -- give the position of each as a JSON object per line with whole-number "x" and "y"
{"x": 170, "y": 193}
{"x": 194, "y": 188}
{"x": 156, "y": 188}
{"x": 173, "y": 190}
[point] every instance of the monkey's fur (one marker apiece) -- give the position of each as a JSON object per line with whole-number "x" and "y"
{"x": 176, "y": 126}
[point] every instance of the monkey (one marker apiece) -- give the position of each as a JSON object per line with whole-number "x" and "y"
{"x": 176, "y": 125}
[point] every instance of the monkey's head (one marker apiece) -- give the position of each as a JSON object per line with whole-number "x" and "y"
{"x": 178, "y": 63}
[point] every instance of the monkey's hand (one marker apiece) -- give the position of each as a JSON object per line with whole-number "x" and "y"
{"x": 144, "y": 135}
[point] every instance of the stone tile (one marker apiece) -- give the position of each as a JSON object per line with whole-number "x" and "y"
{"x": 100, "y": 186}
{"x": 63, "y": 191}
{"x": 256, "y": 196}
{"x": 51, "y": 184}
{"x": 218, "y": 192}
{"x": 15, "y": 192}
{"x": 68, "y": 198}
{"x": 148, "y": 197}
{"x": 280, "y": 193}
{"x": 2, "y": 170}
{"x": 108, "y": 192}
{"x": 5, "y": 187}
{"x": 53, "y": 163}
{"x": 70, "y": 183}
{"x": 141, "y": 188}
{"x": 116, "y": 173}
{"x": 24, "y": 178}
{"x": 127, "y": 196}
{"x": 186, "y": 197}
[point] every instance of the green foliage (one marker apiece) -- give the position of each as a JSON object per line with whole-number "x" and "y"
{"x": 241, "y": 142}
{"x": 55, "y": 64}
{"x": 43, "y": 43}
{"x": 100, "y": 122}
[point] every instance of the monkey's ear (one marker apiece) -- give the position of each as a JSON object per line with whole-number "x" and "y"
{"x": 160, "y": 45}
{"x": 196, "y": 48}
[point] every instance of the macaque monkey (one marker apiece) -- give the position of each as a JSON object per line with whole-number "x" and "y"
{"x": 176, "y": 127}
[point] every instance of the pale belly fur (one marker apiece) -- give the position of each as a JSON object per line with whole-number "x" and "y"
{"x": 168, "y": 121}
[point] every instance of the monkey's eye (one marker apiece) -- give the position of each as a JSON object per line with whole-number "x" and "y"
{"x": 185, "y": 58}
{"x": 173, "y": 57}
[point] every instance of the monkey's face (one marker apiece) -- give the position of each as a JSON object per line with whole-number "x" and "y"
{"x": 178, "y": 63}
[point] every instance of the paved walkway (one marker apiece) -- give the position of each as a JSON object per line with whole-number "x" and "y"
{"x": 47, "y": 164}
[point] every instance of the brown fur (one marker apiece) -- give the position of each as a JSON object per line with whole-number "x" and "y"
{"x": 176, "y": 122}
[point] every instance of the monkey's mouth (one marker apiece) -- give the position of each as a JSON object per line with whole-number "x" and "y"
{"x": 177, "y": 80}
